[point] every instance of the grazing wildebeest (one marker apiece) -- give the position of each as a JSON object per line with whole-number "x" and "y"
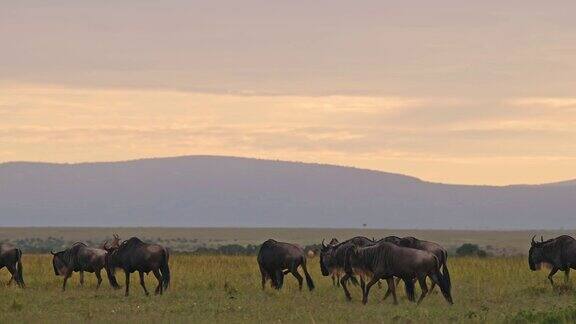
{"x": 559, "y": 252}
{"x": 79, "y": 258}
{"x": 386, "y": 260}
{"x": 11, "y": 258}
{"x": 333, "y": 259}
{"x": 434, "y": 248}
{"x": 134, "y": 255}
{"x": 276, "y": 259}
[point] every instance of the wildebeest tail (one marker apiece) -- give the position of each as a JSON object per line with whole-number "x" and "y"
{"x": 165, "y": 269}
{"x": 309, "y": 281}
{"x": 20, "y": 269}
{"x": 409, "y": 287}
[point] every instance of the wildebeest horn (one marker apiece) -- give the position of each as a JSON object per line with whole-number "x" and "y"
{"x": 541, "y": 238}
{"x": 323, "y": 245}
{"x": 52, "y": 252}
{"x": 116, "y": 236}
{"x": 105, "y": 245}
{"x": 533, "y": 242}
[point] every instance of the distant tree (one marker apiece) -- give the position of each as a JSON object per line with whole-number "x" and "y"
{"x": 469, "y": 249}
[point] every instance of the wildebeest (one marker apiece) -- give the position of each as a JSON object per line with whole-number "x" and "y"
{"x": 276, "y": 259}
{"x": 434, "y": 248}
{"x": 79, "y": 258}
{"x": 559, "y": 252}
{"x": 333, "y": 259}
{"x": 134, "y": 255}
{"x": 386, "y": 260}
{"x": 11, "y": 258}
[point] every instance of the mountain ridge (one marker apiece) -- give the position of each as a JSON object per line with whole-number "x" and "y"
{"x": 207, "y": 191}
{"x": 561, "y": 182}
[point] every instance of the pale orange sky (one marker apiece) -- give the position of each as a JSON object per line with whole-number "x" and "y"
{"x": 457, "y": 92}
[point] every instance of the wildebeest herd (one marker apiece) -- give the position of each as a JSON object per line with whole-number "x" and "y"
{"x": 359, "y": 260}
{"x": 408, "y": 259}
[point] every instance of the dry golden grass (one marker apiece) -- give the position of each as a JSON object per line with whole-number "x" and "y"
{"x": 227, "y": 289}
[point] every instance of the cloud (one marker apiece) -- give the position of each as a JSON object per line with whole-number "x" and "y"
{"x": 545, "y": 102}
{"x": 82, "y": 124}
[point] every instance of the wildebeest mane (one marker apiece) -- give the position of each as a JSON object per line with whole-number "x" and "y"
{"x": 378, "y": 254}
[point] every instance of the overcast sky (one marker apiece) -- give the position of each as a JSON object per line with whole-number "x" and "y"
{"x": 479, "y": 92}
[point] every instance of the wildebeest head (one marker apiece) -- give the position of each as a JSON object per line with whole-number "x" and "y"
{"x": 111, "y": 261}
{"x": 59, "y": 263}
{"x": 325, "y": 258}
{"x": 536, "y": 254}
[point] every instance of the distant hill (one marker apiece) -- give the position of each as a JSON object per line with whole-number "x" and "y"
{"x": 239, "y": 192}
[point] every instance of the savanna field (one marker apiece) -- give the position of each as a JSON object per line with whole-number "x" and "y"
{"x": 227, "y": 289}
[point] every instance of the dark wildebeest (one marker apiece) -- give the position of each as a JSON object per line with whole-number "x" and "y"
{"x": 134, "y": 255}
{"x": 276, "y": 259}
{"x": 79, "y": 258}
{"x": 386, "y": 260}
{"x": 559, "y": 253}
{"x": 333, "y": 259}
{"x": 11, "y": 258}
{"x": 434, "y": 248}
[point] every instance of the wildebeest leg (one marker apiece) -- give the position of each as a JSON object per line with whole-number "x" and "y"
{"x": 392, "y": 287}
{"x": 66, "y": 276}
{"x": 432, "y": 286}
{"x": 264, "y": 276}
{"x": 127, "y": 282}
{"x": 334, "y": 280}
{"x": 372, "y": 281}
{"x": 567, "y": 276}
{"x": 551, "y": 274}
{"x": 159, "y": 278}
{"x": 423, "y": 287}
{"x": 298, "y": 277}
{"x": 82, "y": 278}
{"x": 99, "y": 277}
{"x": 142, "y": 283}
{"x": 12, "y": 271}
{"x": 343, "y": 284}
{"x": 338, "y": 280}
{"x": 362, "y": 284}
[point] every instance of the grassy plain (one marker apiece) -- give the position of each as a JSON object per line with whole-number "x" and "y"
{"x": 209, "y": 289}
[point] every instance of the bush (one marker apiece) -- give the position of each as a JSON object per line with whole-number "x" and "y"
{"x": 469, "y": 249}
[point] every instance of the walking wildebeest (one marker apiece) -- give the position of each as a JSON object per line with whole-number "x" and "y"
{"x": 386, "y": 260}
{"x": 276, "y": 259}
{"x": 559, "y": 252}
{"x": 134, "y": 255}
{"x": 333, "y": 259}
{"x": 434, "y": 248}
{"x": 11, "y": 258}
{"x": 79, "y": 258}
